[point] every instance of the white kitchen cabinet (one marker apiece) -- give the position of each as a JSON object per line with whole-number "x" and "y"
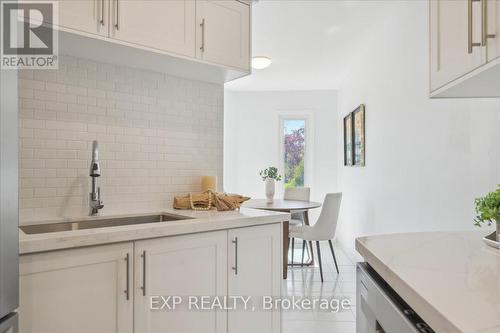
{"x": 464, "y": 48}
{"x": 493, "y": 23}
{"x": 223, "y": 33}
{"x": 164, "y": 25}
{"x": 77, "y": 291}
{"x": 451, "y": 56}
{"x": 109, "y": 288}
{"x": 159, "y": 35}
{"x": 87, "y": 16}
{"x": 191, "y": 265}
{"x": 255, "y": 260}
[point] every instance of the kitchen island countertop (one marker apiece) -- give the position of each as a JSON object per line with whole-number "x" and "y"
{"x": 451, "y": 279}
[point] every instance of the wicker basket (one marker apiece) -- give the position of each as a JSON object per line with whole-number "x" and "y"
{"x": 208, "y": 200}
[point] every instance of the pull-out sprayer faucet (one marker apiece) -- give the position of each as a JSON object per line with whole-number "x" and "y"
{"x": 95, "y": 201}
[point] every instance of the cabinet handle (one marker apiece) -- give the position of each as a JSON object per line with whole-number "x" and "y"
{"x": 235, "y": 267}
{"x": 117, "y": 13}
{"x": 127, "y": 291}
{"x": 143, "y": 256}
{"x": 102, "y": 13}
{"x": 470, "y": 36}
{"x": 484, "y": 29}
{"x": 202, "y": 25}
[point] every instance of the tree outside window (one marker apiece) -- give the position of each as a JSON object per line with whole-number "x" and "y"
{"x": 294, "y": 151}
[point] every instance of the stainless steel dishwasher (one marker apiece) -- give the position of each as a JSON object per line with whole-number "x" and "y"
{"x": 380, "y": 309}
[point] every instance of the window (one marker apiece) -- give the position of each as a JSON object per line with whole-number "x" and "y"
{"x": 294, "y": 151}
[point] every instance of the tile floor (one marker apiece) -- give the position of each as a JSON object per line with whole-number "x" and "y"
{"x": 306, "y": 282}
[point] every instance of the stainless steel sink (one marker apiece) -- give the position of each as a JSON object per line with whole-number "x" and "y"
{"x": 99, "y": 223}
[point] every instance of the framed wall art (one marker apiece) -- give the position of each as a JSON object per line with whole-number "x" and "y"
{"x": 348, "y": 140}
{"x": 358, "y": 121}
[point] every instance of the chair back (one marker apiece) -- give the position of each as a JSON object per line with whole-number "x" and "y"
{"x": 297, "y": 193}
{"x": 327, "y": 221}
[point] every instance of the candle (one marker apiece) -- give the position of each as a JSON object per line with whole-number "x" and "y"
{"x": 208, "y": 183}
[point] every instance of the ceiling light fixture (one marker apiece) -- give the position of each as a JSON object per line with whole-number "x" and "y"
{"x": 261, "y": 62}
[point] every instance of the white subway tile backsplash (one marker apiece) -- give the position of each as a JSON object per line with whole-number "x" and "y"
{"x": 57, "y": 87}
{"x": 75, "y": 90}
{"x": 157, "y": 135}
{"x": 44, "y": 114}
{"x": 47, "y": 76}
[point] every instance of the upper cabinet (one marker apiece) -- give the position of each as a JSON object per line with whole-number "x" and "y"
{"x": 165, "y": 25}
{"x": 83, "y": 16}
{"x": 464, "y": 48}
{"x": 202, "y": 39}
{"x": 223, "y": 32}
{"x": 455, "y": 43}
{"x": 493, "y": 23}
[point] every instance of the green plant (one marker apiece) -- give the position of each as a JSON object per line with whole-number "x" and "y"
{"x": 271, "y": 173}
{"x": 298, "y": 176}
{"x": 488, "y": 208}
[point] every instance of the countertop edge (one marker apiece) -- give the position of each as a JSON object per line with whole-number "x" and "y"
{"x": 426, "y": 310}
{"x": 32, "y": 244}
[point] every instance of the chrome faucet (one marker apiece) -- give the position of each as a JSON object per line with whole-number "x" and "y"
{"x": 95, "y": 201}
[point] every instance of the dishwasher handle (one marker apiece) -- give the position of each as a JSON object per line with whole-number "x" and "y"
{"x": 382, "y": 309}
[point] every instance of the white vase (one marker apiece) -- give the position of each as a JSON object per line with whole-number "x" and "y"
{"x": 270, "y": 190}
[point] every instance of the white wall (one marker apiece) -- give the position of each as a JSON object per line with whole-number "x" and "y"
{"x": 157, "y": 135}
{"x": 252, "y": 138}
{"x": 426, "y": 160}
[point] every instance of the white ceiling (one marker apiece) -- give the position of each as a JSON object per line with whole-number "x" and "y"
{"x": 310, "y": 42}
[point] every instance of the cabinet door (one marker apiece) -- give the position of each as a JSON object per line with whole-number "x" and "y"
{"x": 191, "y": 265}
{"x": 493, "y": 10}
{"x": 255, "y": 258}
{"x": 89, "y": 16}
{"x": 163, "y": 25}
{"x": 449, "y": 37}
{"x": 223, "y": 33}
{"x": 77, "y": 291}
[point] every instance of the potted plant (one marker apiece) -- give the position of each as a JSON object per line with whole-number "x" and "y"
{"x": 270, "y": 176}
{"x": 488, "y": 211}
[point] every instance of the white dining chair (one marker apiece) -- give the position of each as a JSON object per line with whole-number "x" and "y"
{"x": 297, "y": 194}
{"x": 324, "y": 229}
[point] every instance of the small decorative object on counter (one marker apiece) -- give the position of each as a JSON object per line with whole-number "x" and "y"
{"x": 270, "y": 176}
{"x": 208, "y": 183}
{"x": 488, "y": 211}
{"x": 208, "y": 200}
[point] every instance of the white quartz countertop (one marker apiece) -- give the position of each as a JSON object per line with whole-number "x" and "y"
{"x": 201, "y": 221}
{"x": 451, "y": 279}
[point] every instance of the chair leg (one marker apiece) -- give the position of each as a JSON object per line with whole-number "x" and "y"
{"x": 319, "y": 261}
{"x": 303, "y": 250}
{"x": 333, "y": 255}
{"x": 311, "y": 253}
{"x": 293, "y": 247}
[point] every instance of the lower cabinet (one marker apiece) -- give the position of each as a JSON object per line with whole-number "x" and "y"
{"x": 256, "y": 271}
{"x": 191, "y": 265}
{"x": 77, "y": 291}
{"x": 111, "y": 288}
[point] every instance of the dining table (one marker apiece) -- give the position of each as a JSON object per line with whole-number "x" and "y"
{"x": 287, "y": 206}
